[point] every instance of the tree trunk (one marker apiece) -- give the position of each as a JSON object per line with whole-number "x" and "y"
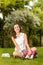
{"x": 42, "y": 41}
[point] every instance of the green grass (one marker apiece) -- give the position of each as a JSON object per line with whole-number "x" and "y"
{"x": 18, "y": 61}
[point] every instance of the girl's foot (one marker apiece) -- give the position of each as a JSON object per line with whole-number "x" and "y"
{"x": 27, "y": 57}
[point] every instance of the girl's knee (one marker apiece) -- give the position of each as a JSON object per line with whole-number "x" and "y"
{"x": 14, "y": 54}
{"x": 34, "y": 49}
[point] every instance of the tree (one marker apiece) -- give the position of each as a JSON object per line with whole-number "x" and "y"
{"x": 38, "y": 11}
{"x": 6, "y": 6}
{"x": 25, "y": 18}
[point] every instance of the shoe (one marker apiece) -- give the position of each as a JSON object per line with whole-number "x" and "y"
{"x": 26, "y": 57}
{"x": 31, "y": 57}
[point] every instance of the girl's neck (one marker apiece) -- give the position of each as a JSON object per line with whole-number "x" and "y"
{"x": 18, "y": 34}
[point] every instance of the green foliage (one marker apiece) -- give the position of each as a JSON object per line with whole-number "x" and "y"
{"x": 35, "y": 40}
{"x": 25, "y": 18}
{"x": 38, "y": 11}
{"x": 6, "y": 6}
{"x": 15, "y": 3}
{"x": 31, "y": 22}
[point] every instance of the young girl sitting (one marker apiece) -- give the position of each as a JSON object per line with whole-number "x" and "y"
{"x": 20, "y": 41}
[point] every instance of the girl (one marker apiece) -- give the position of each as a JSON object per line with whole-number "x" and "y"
{"x": 20, "y": 41}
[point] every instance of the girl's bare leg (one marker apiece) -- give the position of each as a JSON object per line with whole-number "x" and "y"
{"x": 29, "y": 53}
{"x": 18, "y": 54}
{"x": 33, "y": 49}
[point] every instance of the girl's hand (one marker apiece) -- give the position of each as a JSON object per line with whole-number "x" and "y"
{"x": 29, "y": 53}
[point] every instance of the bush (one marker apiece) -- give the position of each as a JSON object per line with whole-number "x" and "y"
{"x": 35, "y": 40}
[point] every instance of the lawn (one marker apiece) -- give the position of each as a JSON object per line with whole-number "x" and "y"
{"x": 18, "y": 61}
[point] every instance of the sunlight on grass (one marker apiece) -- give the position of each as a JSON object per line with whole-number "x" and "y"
{"x": 18, "y": 61}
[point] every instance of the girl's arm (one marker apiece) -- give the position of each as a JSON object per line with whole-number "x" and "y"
{"x": 26, "y": 42}
{"x": 16, "y": 45}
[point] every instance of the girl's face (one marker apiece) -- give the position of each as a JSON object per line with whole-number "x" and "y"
{"x": 16, "y": 28}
